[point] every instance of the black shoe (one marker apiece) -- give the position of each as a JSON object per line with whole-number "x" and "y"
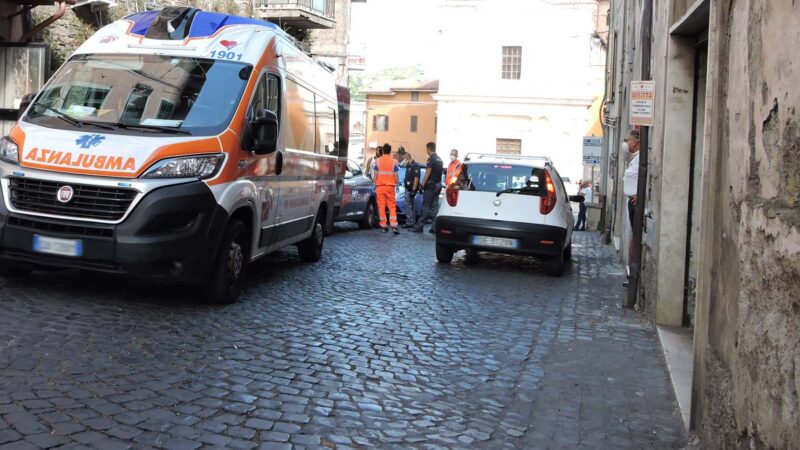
{"x": 432, "y": 231}
{"x": 384, "y": 230}
{"x": 395, "y": 231}
{"x": 626, "y": 283}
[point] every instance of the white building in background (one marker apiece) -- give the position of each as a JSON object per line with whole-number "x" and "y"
{"x": 519, "y": 76}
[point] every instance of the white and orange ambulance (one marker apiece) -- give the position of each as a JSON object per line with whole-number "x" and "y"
{"x": 178, "y": 143}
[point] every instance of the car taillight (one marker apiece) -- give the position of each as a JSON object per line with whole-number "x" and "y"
{"x": 451, "y": 193}
{"x": 548, "y": 201}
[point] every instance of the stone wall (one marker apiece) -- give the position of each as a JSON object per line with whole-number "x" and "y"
{"x": 748, "y": 351}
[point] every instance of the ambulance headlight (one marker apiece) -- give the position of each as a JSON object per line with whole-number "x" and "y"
{"x": 198, "y": 166}
{"x": 9, "y": 150}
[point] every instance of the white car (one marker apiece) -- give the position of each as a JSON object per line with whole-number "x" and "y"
{"x": 507, "y": 204}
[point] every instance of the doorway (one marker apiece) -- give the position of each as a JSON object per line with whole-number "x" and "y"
{"x": 695, "y": 179}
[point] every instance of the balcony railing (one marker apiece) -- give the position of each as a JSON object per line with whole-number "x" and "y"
{"x": 299, "y": 13}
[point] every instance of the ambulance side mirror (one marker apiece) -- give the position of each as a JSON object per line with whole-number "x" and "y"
{"x": 264, "y": 130}
{"x": 26, "y": 101}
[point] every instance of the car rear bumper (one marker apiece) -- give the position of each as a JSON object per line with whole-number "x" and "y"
{"x": 531, "y": 239}
{"x": 172, "y": 233}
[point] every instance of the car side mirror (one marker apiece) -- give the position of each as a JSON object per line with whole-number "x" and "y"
{"x": 348, "y": 175}
{"x": 26, "y": 101}
{"x": 264, "y": 130}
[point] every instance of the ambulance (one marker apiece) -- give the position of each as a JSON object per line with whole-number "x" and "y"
{"x": 178, "y": 144}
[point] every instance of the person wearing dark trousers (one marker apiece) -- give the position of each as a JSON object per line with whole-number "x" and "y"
{"x": 580, "y": 225}
{"x": 411, "y": 185}
{"x": 630, "y": 183}
{"x": 431, "y": 187}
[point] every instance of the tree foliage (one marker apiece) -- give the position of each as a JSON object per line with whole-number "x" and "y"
{"x": 367, "y": 80}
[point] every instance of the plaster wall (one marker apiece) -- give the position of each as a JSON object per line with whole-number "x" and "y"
{"x": 747, "y": 349}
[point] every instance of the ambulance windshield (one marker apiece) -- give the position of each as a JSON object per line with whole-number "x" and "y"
{"x": 134, "y": 94}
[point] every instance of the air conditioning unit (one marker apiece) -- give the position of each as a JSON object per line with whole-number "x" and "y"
{"x": 95, "y": 4}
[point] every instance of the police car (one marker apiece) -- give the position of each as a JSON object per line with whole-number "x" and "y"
{"x": 507, "y": 204}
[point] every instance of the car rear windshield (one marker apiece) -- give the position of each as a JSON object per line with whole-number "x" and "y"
{"x": 485, "y": 177}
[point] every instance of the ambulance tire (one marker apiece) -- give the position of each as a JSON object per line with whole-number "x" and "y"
{"x": 444, "y": 254}
{"x": 370, "y": 218}
{"x": 310, "y": 250}
{"x": 14, "y": 272}
{"x": 227, "y": 277}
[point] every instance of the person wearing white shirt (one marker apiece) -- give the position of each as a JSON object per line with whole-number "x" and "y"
{"x": 630, "y": 183}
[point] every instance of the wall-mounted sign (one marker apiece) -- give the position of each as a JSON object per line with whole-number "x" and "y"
{"x": 643, "y": 100}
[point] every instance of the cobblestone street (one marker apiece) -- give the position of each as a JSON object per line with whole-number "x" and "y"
{"x": 359, "y": 350}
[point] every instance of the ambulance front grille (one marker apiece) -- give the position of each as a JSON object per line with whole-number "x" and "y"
{"x": 88, "y": 202}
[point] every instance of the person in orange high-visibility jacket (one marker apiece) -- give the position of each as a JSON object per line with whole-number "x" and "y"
{"x": 454, "y": 169}
{"x": 386, "y": 179}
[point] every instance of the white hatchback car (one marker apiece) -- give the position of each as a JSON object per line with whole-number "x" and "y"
{"x": 507, "y": 204}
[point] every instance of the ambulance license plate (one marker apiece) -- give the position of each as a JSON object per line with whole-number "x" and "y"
{"x": 55, "y": 246}
{"x": 490, "y": 241}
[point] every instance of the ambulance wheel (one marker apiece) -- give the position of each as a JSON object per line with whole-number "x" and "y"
{"x": 444, "y": 254}
{"x": 370, "y": 218}
{"x": 310, "y": 250}
{"x": 226, "y": 282}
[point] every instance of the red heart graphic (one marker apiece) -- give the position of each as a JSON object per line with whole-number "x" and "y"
{"x": 228, "y": 44}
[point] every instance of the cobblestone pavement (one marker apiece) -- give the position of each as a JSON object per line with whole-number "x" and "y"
{"x": 359, "y": 350}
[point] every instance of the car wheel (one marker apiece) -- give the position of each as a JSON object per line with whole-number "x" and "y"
{"x": 568, "y": 253}
{"x": 14, "y": 272}
{"x": 555, "y": 266}
{"x": 370, "y": 218}
{"x": 444, "y": 254}
{"x": 472, "y": 256}
{"x": 226, "y": 282}
{"x": 310, "y": 250}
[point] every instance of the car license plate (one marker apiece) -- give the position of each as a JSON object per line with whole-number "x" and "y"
{"x": 55, "y": 246}
{"x": 490, "y": 241}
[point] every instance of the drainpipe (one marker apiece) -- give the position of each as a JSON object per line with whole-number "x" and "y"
{"x": 62, "y": 8}
{"x": 641, "y": 188}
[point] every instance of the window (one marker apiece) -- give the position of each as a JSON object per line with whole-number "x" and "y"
{"x": 266, "y": 96}
{"x": 82, "y": 95}
{"x": 484, "y": 177}
{"x": 134, "y": 109}
{"x": 414, "y": 120}
{"x": 380, "y": 122}
{"x": 512, "y": 63}
{"x": 165, "y": 109}
{"x": 414, "y": 97}
{"x": 509, "y": 146}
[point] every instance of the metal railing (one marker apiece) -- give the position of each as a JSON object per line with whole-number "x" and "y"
{"x": 325, "y": 8}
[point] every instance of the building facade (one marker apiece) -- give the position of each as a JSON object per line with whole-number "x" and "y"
{"x": 403, "y": 116}
{"x": 507, "y": 91}
{"x": 721, "y": 236}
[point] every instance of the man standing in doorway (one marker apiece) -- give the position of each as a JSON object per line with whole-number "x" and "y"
{"x": 454, "y": 169}
{"x": 431, "y": 187}
{"x": 386, "y": 182}
{"x": 631, "y": 182}
{"x": 411, "y": 184}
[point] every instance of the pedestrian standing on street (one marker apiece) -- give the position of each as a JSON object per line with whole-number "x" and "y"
{"x": 630, "y": 182}
{"x": 371, "y": 162}
{"x": 454, "y": 169}
{"x": 411, "y": 185}
{"x": 386, "y": 181}
{"x": 431, "y": 187}
{"x": 580, "y": 225}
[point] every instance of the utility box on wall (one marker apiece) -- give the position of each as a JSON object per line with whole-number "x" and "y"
{"x": 24, "y": 69}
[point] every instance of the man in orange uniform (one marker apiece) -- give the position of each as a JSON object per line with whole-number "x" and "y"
{"x": 454, "y": 169}
{"x": 385, "y": 176}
